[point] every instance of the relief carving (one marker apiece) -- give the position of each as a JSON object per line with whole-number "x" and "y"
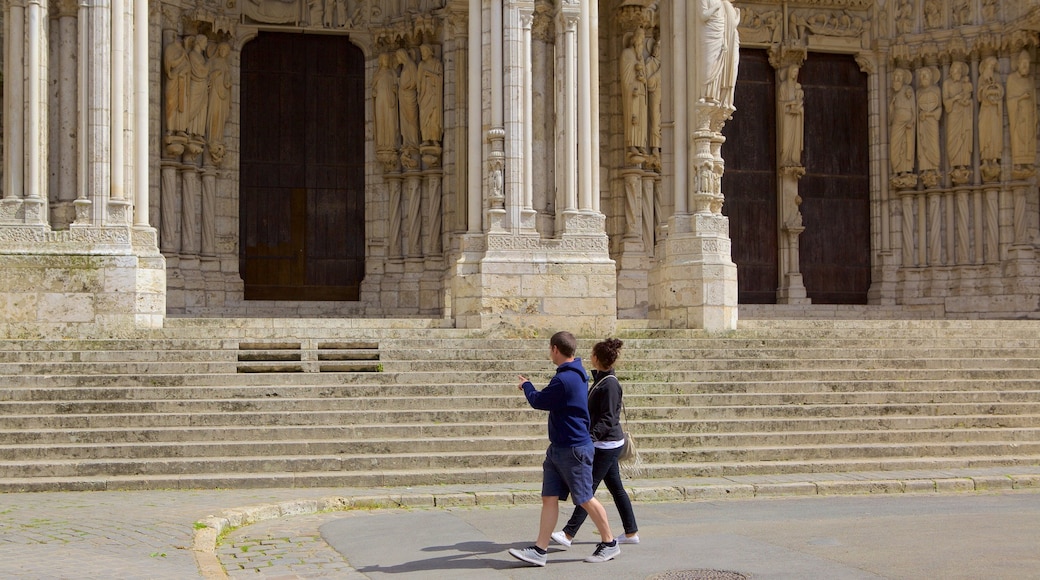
{"x": 384, "y": 95}
{"x": 929, "y": 111}
{"x": 272, "y": 11}
{"x": 958, "y": 95}
{"x": 902, "y": 114}
{"x": 431, "y": 97}
{"x": 634, "y": 100}
{"x": 721, "y": 50}
{"x": 991, "y": 119}
{"x": 1022, "y": 117}
{"x": 219, "y": 100}
{"x": 792, "y": 101}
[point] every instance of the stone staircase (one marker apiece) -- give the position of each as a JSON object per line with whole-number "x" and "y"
{"x": 209, "y": 403}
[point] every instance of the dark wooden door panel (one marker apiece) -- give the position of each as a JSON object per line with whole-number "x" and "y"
{"x": 749, "y": 182}
{"x": 835, "y": 191}
{"x": 303, "y": 180}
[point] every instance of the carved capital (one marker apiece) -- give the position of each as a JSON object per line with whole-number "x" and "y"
{"x": 784, "y": 55}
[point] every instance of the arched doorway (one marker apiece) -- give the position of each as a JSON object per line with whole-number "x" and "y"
{"x": 302, "y": 183}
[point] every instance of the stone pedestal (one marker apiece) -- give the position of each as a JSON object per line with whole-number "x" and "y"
{"x": 694, "y": 284}
{"x": 84, "y": 281}
{"x": 534, "y": 285}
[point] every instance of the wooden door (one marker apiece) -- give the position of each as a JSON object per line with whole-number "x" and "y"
{"x": 301, "y": 196}
{"x": 835, "y": 191}
{"x": 749, "y": 182}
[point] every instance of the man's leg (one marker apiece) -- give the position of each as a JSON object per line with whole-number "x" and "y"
{"x": 550, "y": 514}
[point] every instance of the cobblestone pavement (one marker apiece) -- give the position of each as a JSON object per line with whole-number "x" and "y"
{"x": 283, "y": 548}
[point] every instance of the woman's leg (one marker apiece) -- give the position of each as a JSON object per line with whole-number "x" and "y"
{"x": 600, "y": 464}
{"x": 617, "y": 490}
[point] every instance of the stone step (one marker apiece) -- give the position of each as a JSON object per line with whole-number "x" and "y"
{"x": 54, "y": 377}
{"x": 483, "y": 475}
{"x": 633, "y": 400}
{"x": 649, "y": 444}
{"x": 317, "y": 386}
{"x": 445, "y": 415}
{"x": 440, "y": 404}
{"x": 453, "y": 459}
{"x": 896, "y": 426}
{"x": 315, "y": 361}
{"x": 710, "y": 358}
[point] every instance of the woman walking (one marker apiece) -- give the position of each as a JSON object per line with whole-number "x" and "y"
{"x": 609, "y": 440}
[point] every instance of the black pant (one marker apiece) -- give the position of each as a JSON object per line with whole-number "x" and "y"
{"x": 605, "y": 469}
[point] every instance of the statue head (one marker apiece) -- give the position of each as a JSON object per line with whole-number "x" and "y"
{"x": 1022, "y": 63}
{"x": 426, "y": 51}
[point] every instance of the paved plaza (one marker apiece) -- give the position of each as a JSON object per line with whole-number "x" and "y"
{"x": 954, "y": 524}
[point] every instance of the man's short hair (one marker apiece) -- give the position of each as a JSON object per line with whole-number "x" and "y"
{"x": 565, "y": 343}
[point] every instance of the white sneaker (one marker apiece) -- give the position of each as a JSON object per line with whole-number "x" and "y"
{"x": 529, "y": 555}
{"x": 561, "y": 539}
{"x": 623, "y": 539}
{"x": 604, "y": 552}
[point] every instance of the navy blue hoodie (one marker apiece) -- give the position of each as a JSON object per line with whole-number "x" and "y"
{"x": 566, "y": 399}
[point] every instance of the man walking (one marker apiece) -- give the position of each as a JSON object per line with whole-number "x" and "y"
{"x": 567, "y": 468}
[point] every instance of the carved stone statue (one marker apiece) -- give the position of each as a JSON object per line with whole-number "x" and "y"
{"x": 384, "y": 95}
{"x": 176, "y": 68}
{"x": 721, "y": 50}
{"x": 990, "y": 10}
{"x": 653, "y": 91}
{"x": 902, "y": 115}
{"x": 1021, "y": 106}
{"x": 792, "y": 100}
{"x": 904, "y": 17}
{"x": 633, "y": 89}
{"x": 219, "y": 95}
{"x": 335, "y": 13}
{"x": 198, "y": 86}
{"x": 932, "y": 14}
{"x": 960, "y": 131}
{"x": 962, "y": 12}
{"x": 431, "y": 97}
{"x": 991, "y": 111}
{"x": 929, "y": 110}
{"x": 408, "y": 100}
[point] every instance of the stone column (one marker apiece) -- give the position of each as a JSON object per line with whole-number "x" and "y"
{"x": 64, "y": 212}
{"x": 432, "y": 196}
{"x": 394, "y": 231}
{"x": 208, "y": 226}
{"x": 527, "y": 213}
{"x": 474, "y": 145}
{"x": 14, "y": 112}
{"x": 413, "y": 216}
{"x": 95, "y": 62}
{"x": 694, "y": 281}
{"x": 25, "y": 115}
{"x": 992, "y": 196}
{"x": 963, "y": 233}
{"x": 170, "y": 202}
{"x": 36, "y": 196}
{"x": 790, "y": 114}
{"x": 567, "y": 122}
{"x": 141, "y": 114}
{"x": 909, "y": 256}
{"x": 189, "y": 216}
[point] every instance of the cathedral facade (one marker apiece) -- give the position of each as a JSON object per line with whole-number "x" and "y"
{"x": 516, "y": 162}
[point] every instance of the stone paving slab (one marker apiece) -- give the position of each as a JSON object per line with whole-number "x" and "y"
{"x": 174, "y": 533}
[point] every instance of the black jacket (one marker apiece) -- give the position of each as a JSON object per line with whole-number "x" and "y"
{"x": 605, "y": 407}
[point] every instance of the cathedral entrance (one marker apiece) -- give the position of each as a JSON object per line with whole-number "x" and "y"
{"x": 835, "y": 191}
{"x": 302, "y": 183}
{"x": 750, "y": 179}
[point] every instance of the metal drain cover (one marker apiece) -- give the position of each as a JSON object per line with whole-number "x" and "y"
{"x": 698, "y": 574}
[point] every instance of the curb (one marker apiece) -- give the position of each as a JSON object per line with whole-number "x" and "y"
{"x": 209, "y": 530}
